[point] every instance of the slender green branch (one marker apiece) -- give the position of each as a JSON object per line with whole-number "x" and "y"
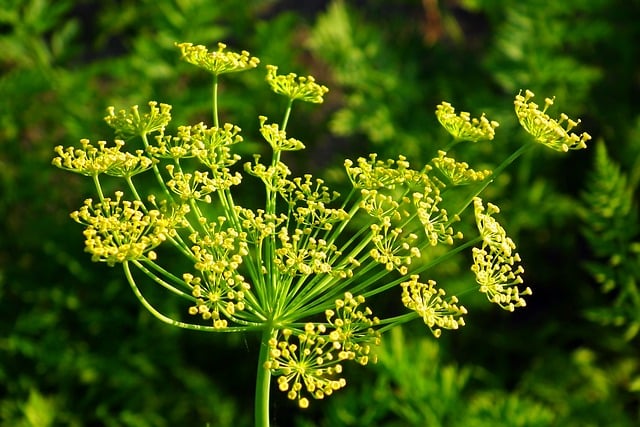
{"x": 496, "y": 172}
{"x": 287, "y": 114}
{"x": 168, "y": 320}
{"x": 96, "y": 182}
{"x": 215, "y": 100}
{"x": 161, "y": 282}
{"x": 156, "y": 170}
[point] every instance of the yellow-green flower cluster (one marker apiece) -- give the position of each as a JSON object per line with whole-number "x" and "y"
{"x": 555, "y": 134}
{"x": 277, "y": 138}
{"x": 191, "y": 186}
{"x": 128, "y": 124}
{"x": 313, "y": 366}
{"x": 428, "y": 301}
{"x": 495, "y": 264}
{"x": 393, "y": 247}
{"x": 457, "y": 173}
{"x": 119, "y": 230}
{"x": 274, "y": 177}
{"x": 258, "y": 224}
{"x": 90, "y": 160}
{"x": 307, "y": 367}
{"x": 217, "y": 62}
{"x": 382, "y": 185}
{"x": 294, "y": 87}
{"x": 464, "y": 128}
{"x": 435, "y": 220}
{"x": 173, "y": 147}
{"x": 353, "y": 329}
{"x": 219, "y": 288}
{"x": 372, "y": 173}
{"x": 301, "y": 254}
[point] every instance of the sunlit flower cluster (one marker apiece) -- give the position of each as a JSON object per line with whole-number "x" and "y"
{"x": 219, "y": 61}
{"x": 132, "y": 123}
{"x": 428, "y": 301}
{"x": 372, "y": 173}
{"x": 457, "y": 173}
{"x": 555, "y": 134}
{"x": 118, "y": 230}
{"x": 436, "y": 221}
{"x": 464, "y": 128}
{"x": 353, "y": 331}
{"x": 495, "y": 264}
{"x": 295, "y": 87}
{"x": 197, "y": 185}
{"x": 313, "y": 366}
{"x": 172, "y": 147}
{"x": 309, "y": 367}
{"x": 90, "y": 160}
{"x": 393, "y": 248}
{"x": 277, "y": 138}
{"x": 219, "y": 288}
{"x": 303, "y": 254}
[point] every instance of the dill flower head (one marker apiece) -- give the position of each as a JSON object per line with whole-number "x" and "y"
{"x": 217, "y": 62}
{"x": 495, "y": 264}
{"x": 132, "y": 123}
{"x": 90, "y": 160}
{"x": 372, "y": 173}
{"x": 428, "y": 301}
{"x": 457, "y": 173}
{"x": 393, "y": 248}
{"x": 277, "y": 138}
{"x": 463, "y": 127}
{"x": 294, "y": 87}
{"x": 353, "y": 332}
{"x": 555, "y": 134}
{"x": 119, "y": 230}
{"x": 308, "y": 368}
{"x": 435, "y": 220}
{"x": 313, "y": 366}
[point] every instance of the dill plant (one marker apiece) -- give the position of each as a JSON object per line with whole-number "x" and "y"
{"x": 299, "y": 270}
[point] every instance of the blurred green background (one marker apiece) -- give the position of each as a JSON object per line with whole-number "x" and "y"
{"x": 76, "y": 349}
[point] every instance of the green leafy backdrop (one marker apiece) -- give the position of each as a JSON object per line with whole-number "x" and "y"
{"x": 77, "y": 350}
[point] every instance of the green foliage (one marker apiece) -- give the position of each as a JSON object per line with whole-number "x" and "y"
{"x": 63, "y": 61}
{"x": 377, "y": 84}
{"x": 415, "y": 387}
{"x": 611, "y": 229}
{"x": 531, "y": 42}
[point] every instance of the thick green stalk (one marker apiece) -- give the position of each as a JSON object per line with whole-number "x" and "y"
{"x": 263, "y": 381}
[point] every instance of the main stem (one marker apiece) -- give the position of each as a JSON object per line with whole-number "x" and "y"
{"x": 263, "y": 375}
{"x": 263, "y": 381}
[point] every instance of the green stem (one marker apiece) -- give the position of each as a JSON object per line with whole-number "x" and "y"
{"x": 497, "y": 171}
{"x": 168, "y": 320}
{"x": 156, "y": 170}
{"x": 215, "y": 100}
{"x": 96, "y": 182}
{"x": 263, "y": 380}
{"x": 287, "y": 113}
